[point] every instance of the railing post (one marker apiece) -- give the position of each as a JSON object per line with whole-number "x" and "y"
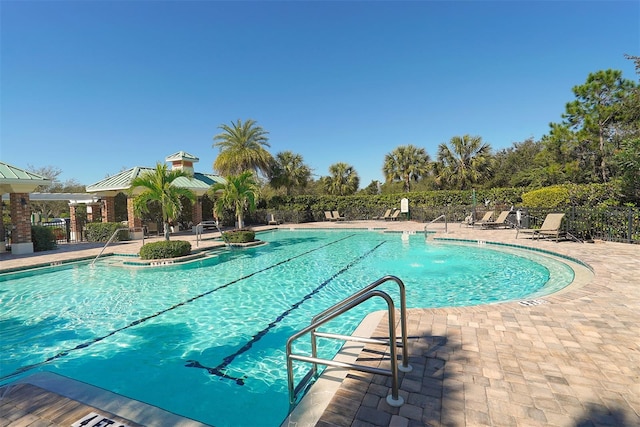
{"x": 630, "y": 220}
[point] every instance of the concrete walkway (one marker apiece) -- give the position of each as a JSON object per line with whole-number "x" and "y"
{"x": 573, "y": 360}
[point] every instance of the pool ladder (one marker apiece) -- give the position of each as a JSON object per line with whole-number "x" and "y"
{"x": 342, "y": 307}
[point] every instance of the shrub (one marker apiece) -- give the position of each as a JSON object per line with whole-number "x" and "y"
{"x": 102, "y": 232}
{"x": 165, "y": 249}
{"x": 239, "y": 236}
{"x": 43, "y": 238}
{"x": 548, "y": 197}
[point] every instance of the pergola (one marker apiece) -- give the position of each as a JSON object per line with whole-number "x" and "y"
{"x": 18, "y": 183}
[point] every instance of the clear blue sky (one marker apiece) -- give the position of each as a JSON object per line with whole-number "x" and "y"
{"x": 92, "y": 87}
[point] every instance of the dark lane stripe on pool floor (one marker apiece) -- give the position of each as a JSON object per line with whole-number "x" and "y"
{"x": 173, "y": 307}
{"x": 219, "y": 370}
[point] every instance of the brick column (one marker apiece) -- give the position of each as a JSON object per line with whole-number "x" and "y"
{"x": 75, "y": 223}
{"x": 94, "y": 211}
{"x": 20, "y": 223}
{"x": 196, "y": 215}
{"x": 109, "y": 211}
{"x": 134, "y": 221}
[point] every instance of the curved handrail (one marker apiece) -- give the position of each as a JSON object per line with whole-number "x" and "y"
{"x": 199, "y": 229}
{"x": 109, "y": 241}
{"x": 403, "y": 313}
{"x": 445, "y": 223}
{"x": 394, "y": 399}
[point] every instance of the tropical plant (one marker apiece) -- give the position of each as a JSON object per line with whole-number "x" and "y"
{"x": 466, "y": 161}
{"x": 242, "y": 148}
{"x": 158, "y": 185}
{"x": 238, "y": 193}
{"x": 289, "y": 171}
{"x": 406, "y": 163}
{"x": 343, "y": 180}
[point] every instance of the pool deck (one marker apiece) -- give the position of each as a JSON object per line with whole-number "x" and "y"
{"x": 572, "y": 358}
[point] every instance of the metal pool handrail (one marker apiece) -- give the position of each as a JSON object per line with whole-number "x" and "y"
{"x": 403, "y": 318}
{"x": 338, "y": 309}
{"x": 445, "y": 223}
{"x": 109, "y": 241}
{"x": 394, "y": 399}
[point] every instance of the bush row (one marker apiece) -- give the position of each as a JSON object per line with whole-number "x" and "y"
{"x": 429, "y": 203}
{"x": 102, "y": 232}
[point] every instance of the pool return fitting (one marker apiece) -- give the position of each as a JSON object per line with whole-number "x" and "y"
{"x": 394, "y": 399}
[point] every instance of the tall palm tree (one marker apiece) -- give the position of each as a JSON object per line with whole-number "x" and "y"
{"x": 289, "y": 171}
{"x": 158, "y": 186}
{"x": 464, "y": 162}
{"x": 406, "y": 163}
{"x": 238, "y": 193}
{"x": 343, "y": 181}
{"x": 242, "y": 148}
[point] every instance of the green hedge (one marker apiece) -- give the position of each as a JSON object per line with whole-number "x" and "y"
{"x": 165, "y": 249}
{"x": 567, "y": 195}
{"x": 549, "y": 197}
{"x": 428, "y": 203}
{"x": 102, "y": 231}
{"x": 239, "y": 236}
{"x": 43, "y": 238}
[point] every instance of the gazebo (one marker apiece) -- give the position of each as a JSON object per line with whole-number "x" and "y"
{"x": 18, "y": 184}
{"x": 111, "y": 186}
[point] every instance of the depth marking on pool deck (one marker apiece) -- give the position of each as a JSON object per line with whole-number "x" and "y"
{"x": 173, "y": 307}
{"x": 219, "y": 370}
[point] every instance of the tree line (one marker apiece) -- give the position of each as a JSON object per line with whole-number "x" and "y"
{"x": 597, "y": 140}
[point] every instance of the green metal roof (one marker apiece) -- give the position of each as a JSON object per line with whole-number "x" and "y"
{"x": 10, "y": 173}
{"x": 182, "y": 155}
{"x": 122, "y": 181}
{"x": 16, "y": 180}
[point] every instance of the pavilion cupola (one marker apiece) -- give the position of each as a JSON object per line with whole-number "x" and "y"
{"x": 182, "y": 160}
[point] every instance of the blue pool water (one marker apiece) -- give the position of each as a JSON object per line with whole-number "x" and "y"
{"x": 206, "y": 340}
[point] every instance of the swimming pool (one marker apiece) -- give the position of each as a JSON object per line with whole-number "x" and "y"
{"x": 206, "y": 339}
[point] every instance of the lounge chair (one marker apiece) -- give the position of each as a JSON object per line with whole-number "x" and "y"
{"x": 386, "y": 215}
{"x": 328, "y": 216}
{"x": 395, "y": 215}
{"x": 337, "y": 216}
{"x": 152, "y": 228}
{"x": 549, "y": 228}
{"x": 500, "y": 222}
{"x": 271, "y": 220}
{"x": 486, "y": 218}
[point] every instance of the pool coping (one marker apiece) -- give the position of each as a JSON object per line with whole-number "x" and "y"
{"x": 122, "y": 406}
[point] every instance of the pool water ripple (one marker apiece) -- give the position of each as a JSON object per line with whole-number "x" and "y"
{"x": 234, "y": 313}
